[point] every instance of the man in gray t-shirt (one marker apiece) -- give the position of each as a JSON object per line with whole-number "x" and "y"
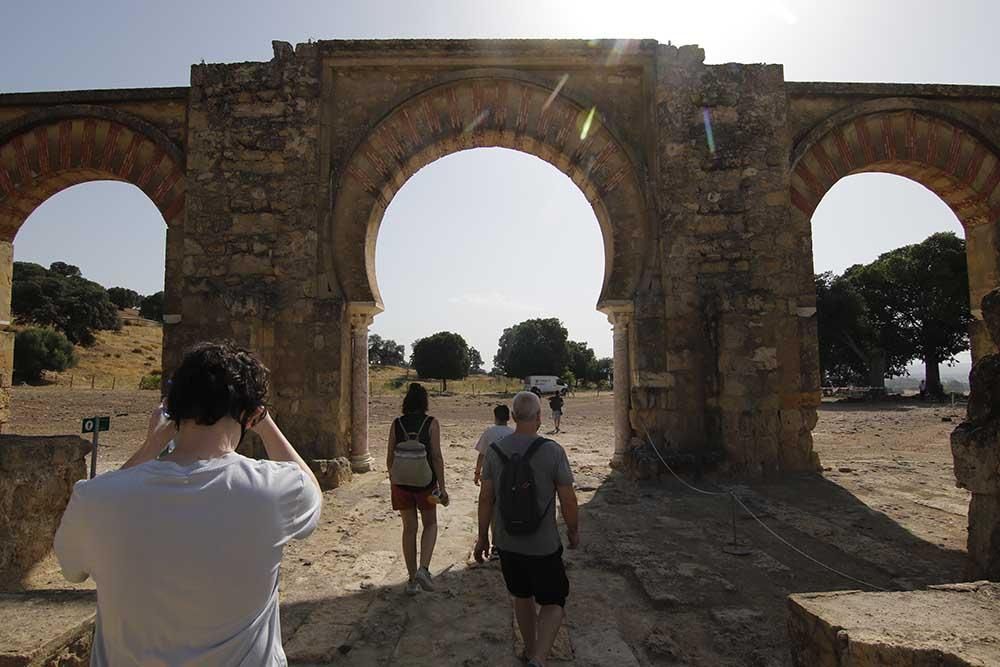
{"x": 532, "y": 564}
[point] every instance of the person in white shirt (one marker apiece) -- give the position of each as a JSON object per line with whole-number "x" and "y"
{"x": 184, "y": 543}
{"x": 495, "y": 433}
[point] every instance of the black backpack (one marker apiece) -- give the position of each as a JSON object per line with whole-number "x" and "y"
{"x": 517, "y": 491}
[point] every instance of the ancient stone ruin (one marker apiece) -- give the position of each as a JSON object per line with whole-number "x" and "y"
{"x": 975, "y": 446}
{"x": 273, "y": 177}
{"x": 36, "y": 479}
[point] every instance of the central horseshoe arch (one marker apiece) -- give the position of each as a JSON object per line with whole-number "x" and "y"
{"x": 479, "y": 112}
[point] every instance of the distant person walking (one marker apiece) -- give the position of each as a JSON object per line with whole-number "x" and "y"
{"x": 416, "y": 469}
{"x": 495, "y": 433}
{"x": 556, "y": 405}
{"x": 185, "y": 541}
{"x": 521, "y": 478}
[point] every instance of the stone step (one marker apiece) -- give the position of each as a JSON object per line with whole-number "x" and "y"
{"x": 955, "y": 625}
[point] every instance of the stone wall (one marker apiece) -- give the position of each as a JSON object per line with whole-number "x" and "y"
{"x": 250, "y": 237}
{"x": 36, "y": 480}
{"x": 975, "y": 448}
{"x": 722, "y": 368}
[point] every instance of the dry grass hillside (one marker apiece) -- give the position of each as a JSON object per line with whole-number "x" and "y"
{"x": 119, "y": 359}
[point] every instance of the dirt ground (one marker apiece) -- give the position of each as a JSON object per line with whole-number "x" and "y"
{"x": 652, "y": 583}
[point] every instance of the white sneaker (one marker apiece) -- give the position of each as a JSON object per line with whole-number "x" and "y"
{"x": 412, "y": 587}
{"x": 423, "y": 577}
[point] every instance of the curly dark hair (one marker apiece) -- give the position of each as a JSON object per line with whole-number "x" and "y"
{"x": 216, "y": 380}
{"x": 415, "y": 399}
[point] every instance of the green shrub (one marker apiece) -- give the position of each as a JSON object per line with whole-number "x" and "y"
{"x": 152, "y": 381}
{"x": 39, "y": 349}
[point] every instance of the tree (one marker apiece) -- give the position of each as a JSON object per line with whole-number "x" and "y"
{"x": 41, "y": 349}
{"x": 65, "y": 270}
{"x": 475, "y": 362}
{"x": 533, "y": 347}
{"x": 605, "y": 368}
{"x": 151, "y": 308}
{"x": 124, "y": 298}
{"x": 918, "y": 298}
{"x": 444, "y": 356}
{"x": 582, "y": 362}
{"x": 385, "y": 351}
{"x": 61, "y": 298}
{"x": 849, "y": 350}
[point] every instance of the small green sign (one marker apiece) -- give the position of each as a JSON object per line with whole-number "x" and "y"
{"x": 91, "y": 424}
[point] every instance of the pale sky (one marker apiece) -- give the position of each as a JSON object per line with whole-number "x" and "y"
{"x": 466, "y": 212}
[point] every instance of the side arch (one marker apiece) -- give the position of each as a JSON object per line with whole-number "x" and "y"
{"x": 44, "y": 152}
{"x": 928, "y": 143}
{"x": 488, "y": 111}
{"x": 907, "y": 138}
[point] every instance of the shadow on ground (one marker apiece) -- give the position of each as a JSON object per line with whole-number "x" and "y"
{"x": 651, "y": 584}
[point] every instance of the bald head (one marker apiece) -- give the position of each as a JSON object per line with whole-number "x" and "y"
{"x": 527, "y": 407}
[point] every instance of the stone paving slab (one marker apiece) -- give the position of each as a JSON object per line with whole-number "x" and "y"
{"x": 37, "y": 627}
{"x": 956, "y": 625}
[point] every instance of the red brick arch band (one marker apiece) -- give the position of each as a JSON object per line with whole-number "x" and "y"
{"x": 944, "y": 157}
{"x": 56, "y": 148}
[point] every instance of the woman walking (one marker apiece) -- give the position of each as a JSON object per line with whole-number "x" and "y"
{"x": 414, "y": 456}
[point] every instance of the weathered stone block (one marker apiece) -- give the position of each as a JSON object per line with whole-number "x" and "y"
{"x": 953, "y": 625}
{"x": 36, "y": 480}
{"x": 331, "y": 473}
{"x": 976, "y": 453}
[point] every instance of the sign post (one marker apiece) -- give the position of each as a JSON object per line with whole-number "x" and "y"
{"x": 95, "y": 425}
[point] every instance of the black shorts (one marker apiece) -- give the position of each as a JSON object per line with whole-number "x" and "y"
{"x": 539, "y": 577}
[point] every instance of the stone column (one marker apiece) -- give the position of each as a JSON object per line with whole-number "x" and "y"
{"x": 622, "y": 323}
{"x": 361, "y": 459}
{"x": 6, "y": 332}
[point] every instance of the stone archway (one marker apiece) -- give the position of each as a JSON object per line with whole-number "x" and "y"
{"x": 487, "y": 111}
{"x": 54, "y": 148}
{"x": 926, "y": 144}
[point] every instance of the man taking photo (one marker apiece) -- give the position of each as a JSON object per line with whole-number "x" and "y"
{"x": 185, "y": 541}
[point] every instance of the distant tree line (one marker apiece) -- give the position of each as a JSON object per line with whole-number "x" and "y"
{"x": 911, "y": 303}
{"x": 532, "y": 347}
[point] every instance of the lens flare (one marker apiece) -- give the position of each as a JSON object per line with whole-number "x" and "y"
{"x": 709, "y": 136}
{"x": 585, "y": 130}
{"x": 620, "y": 49}
{"x": 475, "y": 122}
{"x": 552, "y": 97}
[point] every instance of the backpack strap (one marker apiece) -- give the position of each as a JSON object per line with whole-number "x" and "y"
{"x": 422, "y": 424}
{"x": 534, "y": 446}
{"x": 503, "y": 457}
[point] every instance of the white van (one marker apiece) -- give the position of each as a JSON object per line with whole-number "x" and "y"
{"x": 545, "y": 384}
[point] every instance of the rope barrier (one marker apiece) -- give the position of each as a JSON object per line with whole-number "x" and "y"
{"x": 736, "y": 499}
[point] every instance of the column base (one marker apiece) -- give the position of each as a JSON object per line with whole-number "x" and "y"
{"x": 362, "y": 463}
{"x": 617, "y": 461}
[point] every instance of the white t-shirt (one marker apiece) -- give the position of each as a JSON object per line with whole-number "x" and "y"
{"x": 491, "y": 435}
{"x": 186, "y": 558}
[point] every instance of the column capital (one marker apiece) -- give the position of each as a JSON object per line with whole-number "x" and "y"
{"x": 361, "y": 315}
{"x": 619, "y": 312}
{"x": 620, "y": 318}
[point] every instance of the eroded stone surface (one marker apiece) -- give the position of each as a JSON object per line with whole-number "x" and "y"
{"x": 36, "y": 479}
{"x": 955, "y": 625}
{"x": 975, "y": 447}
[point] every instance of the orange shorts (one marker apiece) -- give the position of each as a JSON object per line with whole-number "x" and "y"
{"x": 404, "y": 499}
